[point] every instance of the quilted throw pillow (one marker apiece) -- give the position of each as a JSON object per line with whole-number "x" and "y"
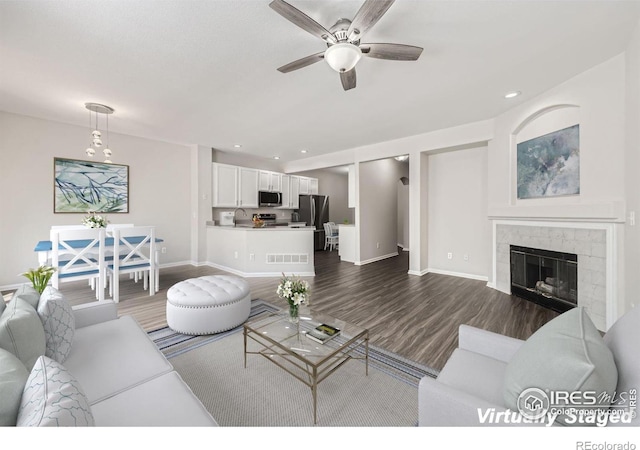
{"x": 52, "y": 397}
{"x": 59, "y": 323}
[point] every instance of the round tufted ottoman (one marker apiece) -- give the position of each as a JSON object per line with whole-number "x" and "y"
{"x": 208, "y": 305}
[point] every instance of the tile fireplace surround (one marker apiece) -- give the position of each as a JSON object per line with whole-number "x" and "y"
{"x": 594, "y": 243}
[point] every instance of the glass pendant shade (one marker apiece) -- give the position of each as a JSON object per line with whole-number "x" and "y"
{"x": 96, "y": 135}
{"x": 342, "y": 57}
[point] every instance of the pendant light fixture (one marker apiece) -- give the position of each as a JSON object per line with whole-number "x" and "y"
{"x": 96, "y": 135}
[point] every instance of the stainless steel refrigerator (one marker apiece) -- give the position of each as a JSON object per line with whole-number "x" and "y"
{"x": 314, "y": 210}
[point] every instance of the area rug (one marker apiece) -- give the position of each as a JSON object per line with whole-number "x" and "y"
{"x": 263, "y": 394}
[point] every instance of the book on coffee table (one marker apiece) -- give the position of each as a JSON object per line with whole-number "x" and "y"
{"x": 323, "y": 332}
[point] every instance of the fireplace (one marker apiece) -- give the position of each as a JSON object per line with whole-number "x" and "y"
{"x": 545, "y": 277}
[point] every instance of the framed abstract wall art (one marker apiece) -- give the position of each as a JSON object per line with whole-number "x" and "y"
{"x": 83, "y": 186}
{"x": 549, "y": 165}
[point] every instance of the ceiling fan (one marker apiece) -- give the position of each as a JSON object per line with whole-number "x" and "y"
{"x": 343, "y": 40}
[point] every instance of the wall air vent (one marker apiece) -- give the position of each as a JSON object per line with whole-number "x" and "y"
{"x": 287, "y": 258}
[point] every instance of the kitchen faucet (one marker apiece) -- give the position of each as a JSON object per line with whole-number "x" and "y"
{"x": 234, "y": 214}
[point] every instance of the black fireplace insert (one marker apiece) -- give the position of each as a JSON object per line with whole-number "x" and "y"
{"x": 545, "y": 277}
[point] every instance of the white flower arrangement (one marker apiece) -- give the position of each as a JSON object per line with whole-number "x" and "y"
{"x": 94, "y": 221}
{"x": 294, "y": 290}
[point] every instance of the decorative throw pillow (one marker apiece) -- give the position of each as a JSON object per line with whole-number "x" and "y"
{"x": 28, "y": 293}
{"x": 13, "y": 377}
{"x": 21, "y": 332}
{"x": 565, "y": 355}
{"x": 58, "y": 322}
{"x": 52, "y": 397}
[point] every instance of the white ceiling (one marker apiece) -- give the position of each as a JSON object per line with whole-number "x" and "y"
{"x": 204, "y": 72}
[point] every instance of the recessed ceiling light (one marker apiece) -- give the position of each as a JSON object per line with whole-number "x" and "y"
{"x": 237, "y": 145}
{"x": 276, "y": 157}
{"x": 512, "y": 94}
{"x": 303, "y": 151}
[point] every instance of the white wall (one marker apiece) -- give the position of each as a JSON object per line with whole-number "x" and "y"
{"x": 201, "y": 179}
{"x": 458, "y": 223}
{"x": 336, "y": 186}
{"x": 599, "y": 95}
{"x": 403, "y": 209}
{"x": 378, "y": 204}
{"x": 244, "y": 160}
{"x": 632, "y": 169}
{"x": 159, "y": 189}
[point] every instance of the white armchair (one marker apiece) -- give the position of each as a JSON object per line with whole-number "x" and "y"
{"x": 472, "y": 381}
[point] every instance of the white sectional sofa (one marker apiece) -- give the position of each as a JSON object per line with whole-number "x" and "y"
{"x": 125, "y": 379}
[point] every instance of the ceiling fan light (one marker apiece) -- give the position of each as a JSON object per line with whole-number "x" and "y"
{"x": 342, "y": 57}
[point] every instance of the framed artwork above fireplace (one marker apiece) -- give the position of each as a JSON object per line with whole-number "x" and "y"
{"x": 549, "y": 165}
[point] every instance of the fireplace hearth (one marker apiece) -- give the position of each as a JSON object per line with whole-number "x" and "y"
{"x": 545, "y": 277}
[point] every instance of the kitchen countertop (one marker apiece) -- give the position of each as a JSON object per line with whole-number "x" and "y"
{"x": 249, "y": 227}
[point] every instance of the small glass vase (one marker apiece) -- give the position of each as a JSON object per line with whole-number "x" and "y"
{"x": 293, "y": 313}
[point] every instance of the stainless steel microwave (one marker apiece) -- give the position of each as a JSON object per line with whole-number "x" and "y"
{"x": 269, "y": 198}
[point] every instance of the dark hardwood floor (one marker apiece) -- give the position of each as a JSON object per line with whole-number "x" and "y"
{"x": 416, "y": 317}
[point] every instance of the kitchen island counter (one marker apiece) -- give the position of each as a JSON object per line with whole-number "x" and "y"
{"x": 244, "y": 227}
{"x": 250, "y": 251}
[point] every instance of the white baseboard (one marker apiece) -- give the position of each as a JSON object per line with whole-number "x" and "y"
{"x": 258, "y": 274}
{"x": 12, "y": 287}
{"x": 459, "y": 274}
{"x": 377, "y": 258}
{"x": 176, "y": 264}
{"x": 418, "y": 272}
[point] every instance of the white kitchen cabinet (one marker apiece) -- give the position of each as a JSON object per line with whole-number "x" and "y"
{"x": 234, "y": 186}
{"x": 247, "y": 187}
{"x": 225, "y": 186}
{"x": 270, "y": 181}
{"x": 304, "y": 186}
{"x": 313, "y": 186}
{"x": 286, "y": 192}
{"x": 290, "y": 192}
{"x": 351, "y": 202}
{"x": 294, "y": 192}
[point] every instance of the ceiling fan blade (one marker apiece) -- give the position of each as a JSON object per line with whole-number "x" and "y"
{"x": 348, "y": 79}
{"x": 396, "y": 52}
{"x": 369, "y": 13}
{"x": 300, "y": 19}
{"x": 302, "y": 62}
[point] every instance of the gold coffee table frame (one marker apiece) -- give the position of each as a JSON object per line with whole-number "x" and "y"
{"x": 285, "y": 344}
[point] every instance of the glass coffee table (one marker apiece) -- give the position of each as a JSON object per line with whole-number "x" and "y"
{"x": 286, "y": 345}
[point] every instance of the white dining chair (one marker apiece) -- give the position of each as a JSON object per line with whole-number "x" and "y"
{"x": 135, "y": 248}
{"x": 330, "y": 239}
{"x": 109, "y": 251}
{"x": 68, "y": 227}
{"x": 113, "y": 226}
{"x": 91, "y": 281}
{"x": 78, "y": 254}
